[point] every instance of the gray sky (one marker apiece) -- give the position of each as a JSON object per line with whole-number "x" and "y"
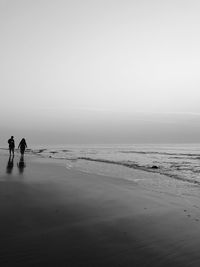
{"x": 100, "y": 71}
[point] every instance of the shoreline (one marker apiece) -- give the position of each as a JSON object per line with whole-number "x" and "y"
{"x": 53, "y": 215}
{"x": 186, "y": 171}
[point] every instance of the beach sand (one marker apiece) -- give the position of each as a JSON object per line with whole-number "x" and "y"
{"x": 52, "y": 216}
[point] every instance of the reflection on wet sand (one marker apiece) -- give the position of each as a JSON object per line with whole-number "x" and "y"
{"x": 21, "y": 164}
{"x": 10, "y": 164}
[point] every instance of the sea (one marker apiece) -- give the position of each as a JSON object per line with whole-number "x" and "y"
{"x": 175, "y": 161}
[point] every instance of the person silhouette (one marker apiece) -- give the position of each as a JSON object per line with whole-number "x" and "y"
{"x": 22, "y": 145}
{"x": 11, "y": 143}
{"x": 21, "y": 164}
{"x": 10, "y": 164}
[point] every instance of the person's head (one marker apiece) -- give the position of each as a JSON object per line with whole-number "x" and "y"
{"x": 12, "y": 137}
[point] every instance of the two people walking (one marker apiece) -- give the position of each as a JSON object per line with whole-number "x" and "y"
{"x": 21, "y": 164}
{"x": 22, "y": 146}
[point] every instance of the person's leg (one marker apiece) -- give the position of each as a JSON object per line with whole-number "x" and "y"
{"x": 23, "y": 150}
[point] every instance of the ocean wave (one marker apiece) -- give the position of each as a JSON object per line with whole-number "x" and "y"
{"x": 36, "y": 151}
{"x": 176, "y": 155}
{"x": 159, "y": 169}
{"x": 198, "y": 157}
{"x": 126, "y": 163}
{"x": 182, "y": 169}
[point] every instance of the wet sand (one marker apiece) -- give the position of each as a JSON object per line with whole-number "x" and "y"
{"x": 52, "y": 216}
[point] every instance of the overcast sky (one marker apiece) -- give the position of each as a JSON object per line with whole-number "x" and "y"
{"x": 100, "y": 71}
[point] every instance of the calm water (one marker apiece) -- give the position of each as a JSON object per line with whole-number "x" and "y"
{"x": 181, "y": 162}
